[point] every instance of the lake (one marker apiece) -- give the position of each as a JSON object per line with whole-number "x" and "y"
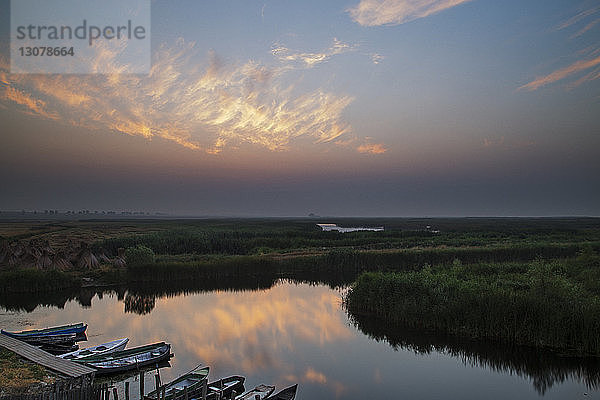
{"x": 286, "y": 332}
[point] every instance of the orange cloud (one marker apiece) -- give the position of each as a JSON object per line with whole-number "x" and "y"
{"x": 586, "y": 28}
{"x": 586, "y": 78}
{"x": 31, "y": 104}
{"x": 561, "y": 74}
{"x": 205, "y": 108}
{"x": 395, "y": 12}
{"x": 260, "y": 323}
{"x": 312, "y": 375}
{"x": 575, "y": 19}
{"x": 371, "y": 148}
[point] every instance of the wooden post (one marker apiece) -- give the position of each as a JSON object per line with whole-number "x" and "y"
{"x": 204, "y": 389}
{"x": 115, "y": 394}
{"x": 185, "y": 393}
{"x": 127, "y": 390}
{"x": 142, "y": 385}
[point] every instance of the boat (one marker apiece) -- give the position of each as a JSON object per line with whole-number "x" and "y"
{"x": 104, "y": 348}
{"x": 54, "y": 344}
{"x": 193, "y": 381}
{"x": 260, "y": 392}
{"x": 124, "y": 360}
{"x": 78, "y": 328}
{"x": 57, "y": 349}
{"x": 224, "y": 388}
{"x": 58, "y": 339}
{"x": 288, "y": 393}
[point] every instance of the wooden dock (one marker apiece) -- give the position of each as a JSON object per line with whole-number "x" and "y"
{"x": 62, "y": 366}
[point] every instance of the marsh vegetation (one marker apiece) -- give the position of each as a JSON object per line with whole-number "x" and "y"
{"x": 533, "y": 282}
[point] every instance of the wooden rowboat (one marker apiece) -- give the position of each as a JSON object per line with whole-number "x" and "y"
{"x": 192, "y": 381}
{"x": 57, "y": 349}
{"x": 125, "y": 360}
{"x": 58, "y": 339}
{"x": 260, "y": 392}
{"x": 224, "y": 388}
{"x": 104, "y": 348}
{"x": 56, "y": 330}
{"x": 288, "y": 393}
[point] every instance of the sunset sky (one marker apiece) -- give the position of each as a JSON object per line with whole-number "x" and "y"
{"x": 340, "y": 108}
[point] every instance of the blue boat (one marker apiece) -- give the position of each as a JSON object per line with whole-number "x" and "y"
{"x": 77, "y": 329}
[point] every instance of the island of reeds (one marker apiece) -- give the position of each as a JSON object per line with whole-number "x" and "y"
{"x": 546, "y": 303}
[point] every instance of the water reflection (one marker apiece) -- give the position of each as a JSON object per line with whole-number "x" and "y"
{"x": 139, "y": 304}
{"x": 139, "y": 298}
{"x": 543, "y": 368}
{"x": 282, "y": 332}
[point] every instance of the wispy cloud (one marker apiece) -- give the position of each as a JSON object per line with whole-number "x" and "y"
{"x": 585, "y": 29}
{"x": 395, "y": 12}
{"x": 203, "y": 108}
{"x": 371, "y": 148}
{"x": 562, "y": 73}
{"x": 502, "y": 143}
{"x": 588, "y": 65}
{"x": 487, "y": 142}
{"x": 30, "y": 104}
{"x": 312, "y": 375}
{"x": 377, "y": 58}
{"x": 580, "y": 16}
{"x": 308, "y": 59}
{"x": 586, "y": 78}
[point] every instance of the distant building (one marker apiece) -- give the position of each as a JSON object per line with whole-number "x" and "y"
{"x": 334, "y": 227}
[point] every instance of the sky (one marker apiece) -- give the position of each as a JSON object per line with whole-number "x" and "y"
{"x": 338, "y": 108}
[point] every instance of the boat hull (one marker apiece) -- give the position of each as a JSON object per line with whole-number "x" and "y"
{"x": 126, "y": 360}
{"x": 288, "y": 393}
{"x": 225, "y": 387}
{"x": 192, "y": 381}
{"x": 56, "y": 330}
{"x": 104, "y": 348}
{"x": 262, "y": 391}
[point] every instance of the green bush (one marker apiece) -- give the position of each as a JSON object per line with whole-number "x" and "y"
{"x": 139, "y": 255}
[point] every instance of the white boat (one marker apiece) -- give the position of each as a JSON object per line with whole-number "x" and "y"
{"x": 104, "y": 348}
{"x": 125, "y": 360}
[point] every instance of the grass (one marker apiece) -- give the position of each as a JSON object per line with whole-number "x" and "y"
{"x": 550, "y": 304}
{"x": 33, "y": 280}
{"x": 280, "y": 236}
{"x": 18, "y": 375}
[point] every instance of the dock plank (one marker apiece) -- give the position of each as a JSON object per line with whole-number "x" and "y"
{"x": 32, "y": 353}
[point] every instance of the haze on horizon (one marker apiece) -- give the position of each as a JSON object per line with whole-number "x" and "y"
{"x": 340, "y": 108}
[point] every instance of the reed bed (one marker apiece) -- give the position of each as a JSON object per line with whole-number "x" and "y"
{"x": 540, "y": 303}
{"x": 33, "y": 280}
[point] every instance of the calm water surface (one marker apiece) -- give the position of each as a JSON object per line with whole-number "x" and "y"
{"x": 299, "y": 333}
